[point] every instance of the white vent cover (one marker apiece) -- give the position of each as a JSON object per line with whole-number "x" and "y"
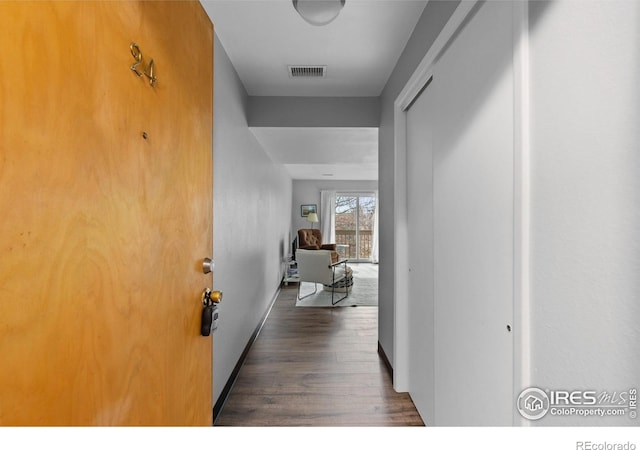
{"x": 307, "y": 71}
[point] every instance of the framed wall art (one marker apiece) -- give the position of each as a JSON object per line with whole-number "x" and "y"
{"x": 305, "y": 210}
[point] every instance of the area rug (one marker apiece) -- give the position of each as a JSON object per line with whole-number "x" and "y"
{"x": 364, "y": 291}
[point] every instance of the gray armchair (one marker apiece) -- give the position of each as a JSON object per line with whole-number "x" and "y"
{"x": 316, "y": 266}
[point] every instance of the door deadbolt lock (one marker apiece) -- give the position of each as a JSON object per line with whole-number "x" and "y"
{"x": 208, "y": 265}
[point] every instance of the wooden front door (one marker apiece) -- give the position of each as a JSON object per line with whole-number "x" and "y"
{"x": 106, "y": 213}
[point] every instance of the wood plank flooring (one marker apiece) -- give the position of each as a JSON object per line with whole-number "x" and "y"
{"x": 316, "y": 367}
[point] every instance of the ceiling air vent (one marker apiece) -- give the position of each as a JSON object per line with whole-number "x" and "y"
{"x": 307, "y": 71}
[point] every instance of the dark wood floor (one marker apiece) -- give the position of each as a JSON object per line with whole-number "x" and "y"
{"x": 316, "y": 367}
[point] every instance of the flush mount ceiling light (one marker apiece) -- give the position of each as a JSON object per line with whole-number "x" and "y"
{"x": 318, "y": 12}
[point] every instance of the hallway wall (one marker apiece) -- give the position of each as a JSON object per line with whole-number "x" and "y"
{"x": 433, "y": 18}
{"x": 585, "y": 199}
{"x": 250, "y": 238}
{"x": 579, "y": 111}
{"x": 320, "y": 112}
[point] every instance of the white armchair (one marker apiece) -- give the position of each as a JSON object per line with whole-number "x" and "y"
{"x": 315, "y": 266}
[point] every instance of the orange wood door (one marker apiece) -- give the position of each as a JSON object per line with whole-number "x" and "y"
{"x": 106, "y": 201}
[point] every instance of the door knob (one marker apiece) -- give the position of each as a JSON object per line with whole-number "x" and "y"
{"x": 216, "y": 296}
{"x": 208, "y": 265}
{"x": 209, "y": 296}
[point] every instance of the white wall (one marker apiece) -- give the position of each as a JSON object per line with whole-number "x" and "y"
{"x": 308, "y": 192}
{"x": 329, "y": 112}
{"x": 585, "y": 190}
{"x": 433, "y": 18}
{"x": 579, "y": 104}
{"x": 252, "y": 212}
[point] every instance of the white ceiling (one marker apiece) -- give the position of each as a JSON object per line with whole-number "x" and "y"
{"x": 360, "y": 49}
{"x": 323, "y": 153}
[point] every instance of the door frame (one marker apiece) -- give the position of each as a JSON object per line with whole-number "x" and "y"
{"x": 521, "y": 274}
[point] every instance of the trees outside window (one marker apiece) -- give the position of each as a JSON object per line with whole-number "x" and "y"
{"x": 355, "y": 217}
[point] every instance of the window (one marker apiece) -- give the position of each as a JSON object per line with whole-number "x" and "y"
{"x": 355, "y": 222}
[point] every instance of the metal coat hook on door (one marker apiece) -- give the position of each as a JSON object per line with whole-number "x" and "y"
{"x": 148, "y": 71}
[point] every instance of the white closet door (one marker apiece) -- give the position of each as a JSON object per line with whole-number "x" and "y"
{"x": 420, "y": 232}
{"x": 473, "y": 227}
{"x": 460, "y": 183}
